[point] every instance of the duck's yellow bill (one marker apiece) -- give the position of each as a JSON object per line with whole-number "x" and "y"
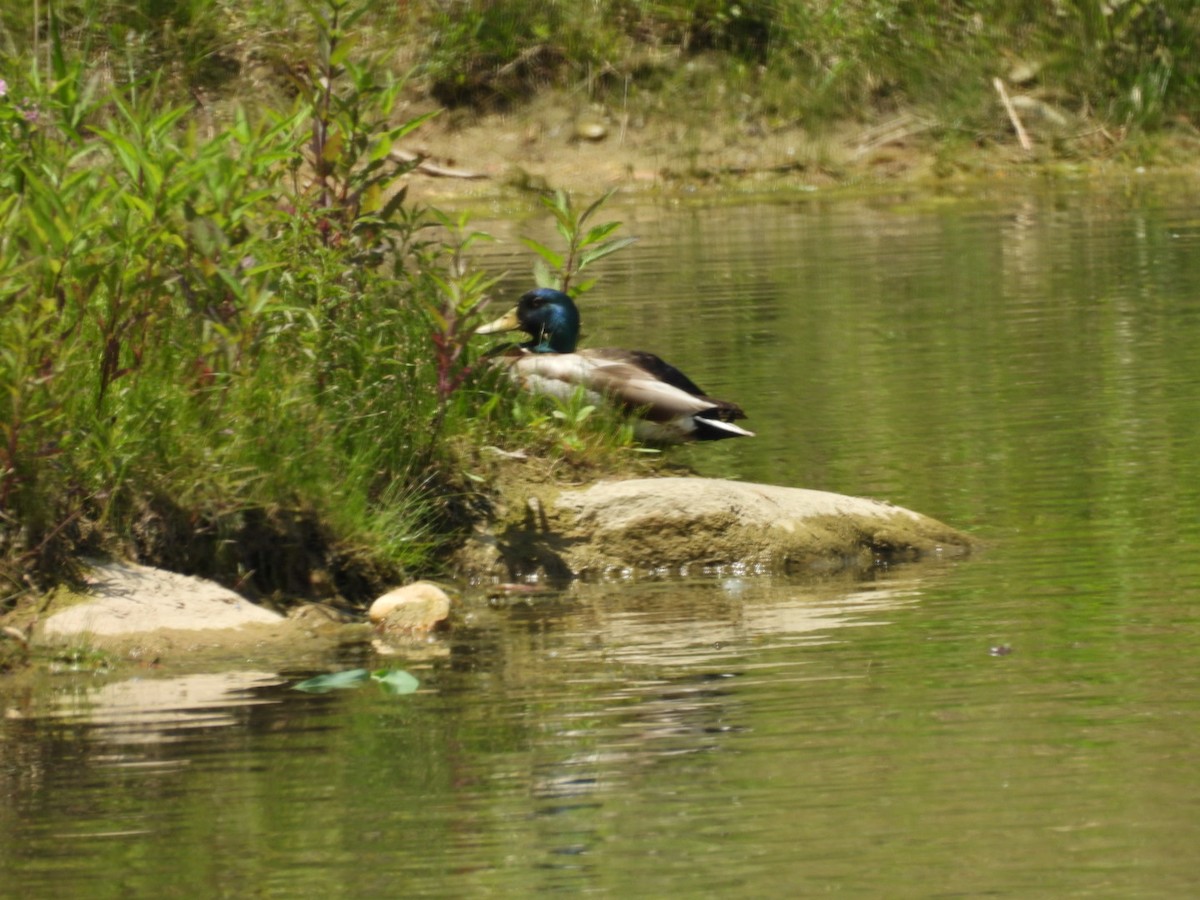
{"x": 507, "y": 322}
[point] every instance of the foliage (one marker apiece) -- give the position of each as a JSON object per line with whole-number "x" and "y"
{"x": 451, "y": 298}
{"x": 204, "y": 336}
{"x": 239, "y": 352}
{"x": 584, "y": 245}
{"x": 572, "y": 430}
{"x": 350, "y": 149}
{"x": 1129, "y": 61}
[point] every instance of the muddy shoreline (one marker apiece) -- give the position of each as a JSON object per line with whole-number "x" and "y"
{"x": 555, "y": 142}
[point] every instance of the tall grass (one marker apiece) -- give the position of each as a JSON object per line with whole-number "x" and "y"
{"x": 216, "y": 349}
{"x": 1129, "y": 62}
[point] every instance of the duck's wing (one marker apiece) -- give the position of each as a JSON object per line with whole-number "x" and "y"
{"x": 662, "y": 372}
{"x": 654, "y": 366}
{"x": 620, "y": 375}
{"x": 558, "y": 374}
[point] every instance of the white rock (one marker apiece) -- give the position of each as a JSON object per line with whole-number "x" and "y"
{"x": 126, "y": 598}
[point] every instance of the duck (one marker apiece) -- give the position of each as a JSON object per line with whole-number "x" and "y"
{"x": 667, "y": 407}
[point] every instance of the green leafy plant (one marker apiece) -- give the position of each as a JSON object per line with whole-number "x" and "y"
{"x": 583, "y": 430}
{"x": 349, "y": 152}
{"x": 451, "y": 300}
{"x": 205, "y": 362}
{"x": 585, "y": 244}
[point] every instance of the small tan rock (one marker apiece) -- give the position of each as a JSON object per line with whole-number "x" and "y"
{"x": 590, "y": 129}
{"x": 413, "y": 609}
{"x": 1024, "y": 71}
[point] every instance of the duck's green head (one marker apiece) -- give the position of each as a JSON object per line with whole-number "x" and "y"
{"x": 549, "y": 317}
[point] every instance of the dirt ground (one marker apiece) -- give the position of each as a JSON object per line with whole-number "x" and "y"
{"x": 556, "y": 142}
{"x": 547, "y": 147}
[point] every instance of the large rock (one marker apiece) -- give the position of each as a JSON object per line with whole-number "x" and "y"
{"x": 691, "y": 524}
{"x": 126, "y": 598}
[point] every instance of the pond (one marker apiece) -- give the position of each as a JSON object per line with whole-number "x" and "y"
{"x": 1023, "y": 723}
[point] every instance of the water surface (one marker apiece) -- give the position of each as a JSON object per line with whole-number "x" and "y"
{"x": 1020, "y": 724}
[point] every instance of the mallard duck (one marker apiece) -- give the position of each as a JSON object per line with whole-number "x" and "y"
{"x": 667, "y": 405}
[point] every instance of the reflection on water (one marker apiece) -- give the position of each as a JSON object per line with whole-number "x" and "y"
{"x": 723, "y": 618}
{"x": 1023, "y": 367}
{"x": 158, "y": 710}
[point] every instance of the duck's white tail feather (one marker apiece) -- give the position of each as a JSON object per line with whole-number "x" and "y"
{"x": 703, "y": 422}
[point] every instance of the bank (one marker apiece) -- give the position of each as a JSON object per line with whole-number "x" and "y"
{"x": 539, "y": 536}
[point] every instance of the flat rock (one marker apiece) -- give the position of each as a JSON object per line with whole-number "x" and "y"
{"x": 126, "y": 598}
{"x": 703, "y": 524}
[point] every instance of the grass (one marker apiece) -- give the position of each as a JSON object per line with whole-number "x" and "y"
{"x": 240, "y": 354}
{"x": 1128, "y": 64}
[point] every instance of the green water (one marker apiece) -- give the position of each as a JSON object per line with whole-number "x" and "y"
{"x": 1020, "y": 724}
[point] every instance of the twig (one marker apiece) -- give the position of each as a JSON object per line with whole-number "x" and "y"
{"x": 898, "y": 129}
{"x": 407, "y": 157}
{"x": 523, "y": 57}
{"x": 1026, "y": 144}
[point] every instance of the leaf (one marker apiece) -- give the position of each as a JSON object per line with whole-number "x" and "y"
{"x": 412, "y": 124}
{"x": 261, "y": 301}
{"x": 333, "y": 681}
{"x": 604, "y": 250}
{"x": 438, "y": 320}
{"x": 381, "y": 149}
{"x": 316, "y": 10}
{"x": 344, "y": 46}
{"x": 333, "y": 147}
{"x": 370, "y": 200}
{"x": 355, "y": 14}
{"x": 124, "y": 150}
{"x": 473, "y": 237}
{"x": 265, "y": 267}
{"x": 555, "y": 259}
{"x": 559, "y": 203}
{"x": 596, "y": 204}
{"x": 599, "y": 233}
{"x": 138, "y": 204}
{"x": 393, "y": 205}
{"x": 396, "y": 681}
{"x": 542, "y": 275}
{"x": 153, "y": 175}
{"x": 58, "y": 63}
